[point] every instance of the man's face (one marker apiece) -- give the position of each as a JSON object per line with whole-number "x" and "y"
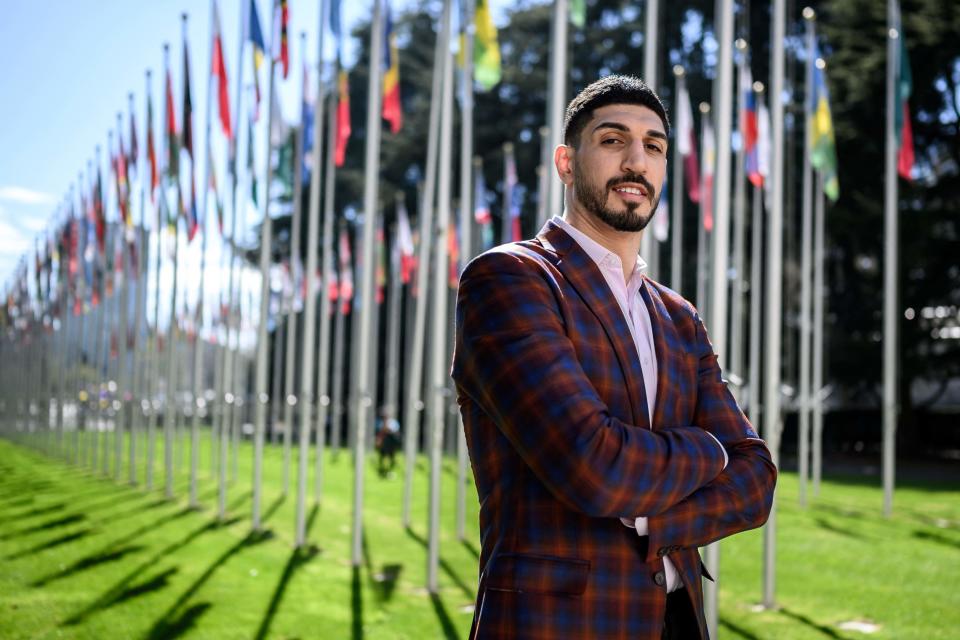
{"x": 619, "y": 166}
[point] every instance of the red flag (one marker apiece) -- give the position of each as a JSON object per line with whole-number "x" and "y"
{"x": 281, "y": 21}
{"x": 905, "y": 155}
{"x": 345, "y": 290}
{"x": 392, "y": 111}
{"x": 343, "y": 120}
{"x": 152, "y": 151}
{"x": 219, "y": 70}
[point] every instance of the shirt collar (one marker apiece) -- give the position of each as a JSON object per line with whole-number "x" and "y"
{"x": 597, "y": 252}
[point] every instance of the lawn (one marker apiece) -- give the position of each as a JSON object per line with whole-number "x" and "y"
{"x": 85, "y": 557}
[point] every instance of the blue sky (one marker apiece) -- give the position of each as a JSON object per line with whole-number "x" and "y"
{"x": 69, "y": 67}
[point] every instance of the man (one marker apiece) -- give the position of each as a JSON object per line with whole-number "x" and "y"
{"x": 605, "y": 446}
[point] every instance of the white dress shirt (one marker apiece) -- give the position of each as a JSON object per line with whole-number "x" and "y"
{"x": 635, "y": 312}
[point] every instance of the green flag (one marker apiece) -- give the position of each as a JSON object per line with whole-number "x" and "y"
{"x": 578, "y": 13}
{"x": 486, "y": 49}
{"x": 823, "y": 154}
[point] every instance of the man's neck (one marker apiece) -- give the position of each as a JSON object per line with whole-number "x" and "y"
{"x": 626, "y": 244}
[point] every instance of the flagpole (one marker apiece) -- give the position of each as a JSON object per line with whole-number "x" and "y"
{"x": 307, "y": 396}
{"x": 466, "y": 228}
{"x": 806, "y": 259}
{"x": 438, "y": 370}
{"x": 756, "y": 295}
{"x": 649, "y": 248}
{"x": 415, "y": 405}
{"x": 155, "y": 349}
{"x": 703, "y": 249}
{"x": 556, "y": 97}
{"x": 266, "y": 245}
{"x": 739, "y": 235}
{"x": 890, "y": 299}
{"x": 774, "y": 272}
{"x": 819, "y": 267}
{"x": 392, "y": 360}
{"x": 98, "y": 329}
{"x": 676, "y": 202}
{"x": 720, "y": 262}
{"x": 140, "y": 357}
{"x": 199, "y": 402}
{"x": 170, "y": 408}
{"x": 334, "y": 407}
{"x": 366, "y": 348}
{"x": 123, "y": 297}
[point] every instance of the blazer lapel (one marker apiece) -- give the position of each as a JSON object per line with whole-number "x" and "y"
{"x": 582, "y": 272}
{"x": 664, "y": 335}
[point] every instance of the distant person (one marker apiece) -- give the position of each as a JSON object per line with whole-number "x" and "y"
{"x": 387, "y": 444}
{"x": 605, "y": 445}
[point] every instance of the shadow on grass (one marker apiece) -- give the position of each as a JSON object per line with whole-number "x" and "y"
{"x": 156, "y": 583}
{"x": 168, "y": 625}
{"x": 829, "y": 526}
{"x": 472, "y": 549}
{"x": 36, "y": 511}
{"x": 298, "y": 558}
{"x": 356, "y": 606}
{"x": 176, "y": 627}
{"x": 740, "y": 631}
{"x": 822, "y": 628}
{"x": 449, "y": 631}
{"x": 89, "y": 562}
{"x": 470, "y": 593}
{"x": 113, "y": 592}
{"x": 937, "y": 538}
{"x": 51, "y": 544}
{"x": 46, "y": 526}
{"x": 382, "y": 582}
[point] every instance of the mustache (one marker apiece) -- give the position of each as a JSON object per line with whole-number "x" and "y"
{"x": 635, "y": 178}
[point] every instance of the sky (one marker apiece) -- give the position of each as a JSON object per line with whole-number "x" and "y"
{"x": 70, "y": 67}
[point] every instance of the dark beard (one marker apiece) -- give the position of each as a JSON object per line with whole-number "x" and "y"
{"x": 595, "y": 201}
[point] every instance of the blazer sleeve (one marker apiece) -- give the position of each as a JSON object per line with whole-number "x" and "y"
{"x": 741, "y": 496}
{"x": 513, "y": 357}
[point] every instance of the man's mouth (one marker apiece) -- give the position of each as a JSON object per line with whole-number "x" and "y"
{"x": 631, "y": 192}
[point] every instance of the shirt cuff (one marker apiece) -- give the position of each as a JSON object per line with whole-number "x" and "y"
{"x": 640, "y": 524}
{"x": 726, "y": 458}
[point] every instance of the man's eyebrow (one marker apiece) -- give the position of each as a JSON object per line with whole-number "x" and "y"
{"x": 652, "y": 133}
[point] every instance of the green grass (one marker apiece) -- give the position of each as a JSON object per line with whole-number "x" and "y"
{"x": 84, "y": 557}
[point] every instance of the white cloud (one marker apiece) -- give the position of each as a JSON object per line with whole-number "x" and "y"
{"x": 22, "y": 195}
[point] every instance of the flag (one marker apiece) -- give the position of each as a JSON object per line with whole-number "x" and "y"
{"x": 218, "y": 69}
{"x": 392, "y": 110}
{"x": 212, "y": 185}
{"x": 511, "y": 199}
{"x": 661, "y": 221}
{"x": 343, "y": 120}
{"x": 307, "y": 110}
{"x": 193, "y": 221}
{"x": 345, "y": 290}
{"x": 99, "y": 214}
{"x": 578, "y": 13}
{"x": 133, "y": 158}
{"x": 763, "y": 142}
{"x": 904, "y": 87}
{"x": 381, "y": 272}
{"x": 173, "y": 144}
{"x": 748, "y": 126}
{"x": 152, "y": 151}
{"x": 486, "y": 48}
{"x": 686, "y": 141}
{"x": 119, "y": 162}
{"x": 281, "y": 45}
{"x": 250, "y": 155}
{"x": 453, "y": 253}
{"x": 335, "y": 21}
{"x": 405, "y": 243}
{"x": 823, "y": 155}
{"x": 709, "y": 160}
{"x": 255, "y": 36}
{"x": 481, "y": 208}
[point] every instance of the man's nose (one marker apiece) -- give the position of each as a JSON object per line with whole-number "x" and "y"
{"x": 635, "y": 158}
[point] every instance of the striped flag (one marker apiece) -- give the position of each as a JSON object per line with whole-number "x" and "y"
{"x": 405, "y": 243}
{"x": 392, "y": 109}
{"x": 152, "y": 151}
{"x": 218, "y": 69}
{"x": 823, "y": 155}
{"x": 748, "y": 127}
{"x": 904, "y": 87}
{"x": 255, "y": 36}
{"x": 281, "y": 44}
{"x": 687, "y": 144}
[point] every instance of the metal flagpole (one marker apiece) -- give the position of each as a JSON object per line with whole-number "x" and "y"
{"x": 326, "y": 304}
{"x": 307, "y": 397}
{"x": 806, "y": 258}
{"x": 141, "y": 357}
{"x": 391, "y": 364}
{"x": 891, "y": 400}
{"x": 266, "y": 245}
{"x": 123, "y": 297}
{"x": 703, "y": 241}
{"x": 155, "y": 349}
{"x": 774, "y": 273}
{"x": 557, "y": 91}
{"x": 756, "y": 295}
{"x": 231, "y": 340}
{"x": 818, "y": 309}
{"x": 676, "y": 201}
{"x": 170, "y": 406}
{"x": 466, "y": 227}
{"x": 414, "y": 405}
{"x": 366, "y": 346}
{"x": 289, "y": 391}
{"x": 735, "y": 363}
{"x": 720, "y": 263}
{"x": 438, "y": 368}
{"x": 199, "y": 402}
{"x": 649, "y": 248}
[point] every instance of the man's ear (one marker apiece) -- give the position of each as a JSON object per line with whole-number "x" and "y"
{"x": 563, "y": 159}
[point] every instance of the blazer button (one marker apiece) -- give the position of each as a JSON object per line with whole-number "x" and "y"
{"x": 660, "y": 578}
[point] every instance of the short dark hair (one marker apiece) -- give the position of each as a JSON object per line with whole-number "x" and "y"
{"x": 615, "y": 89}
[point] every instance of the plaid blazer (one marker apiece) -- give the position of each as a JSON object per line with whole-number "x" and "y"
{"x": 554, "y": 409}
